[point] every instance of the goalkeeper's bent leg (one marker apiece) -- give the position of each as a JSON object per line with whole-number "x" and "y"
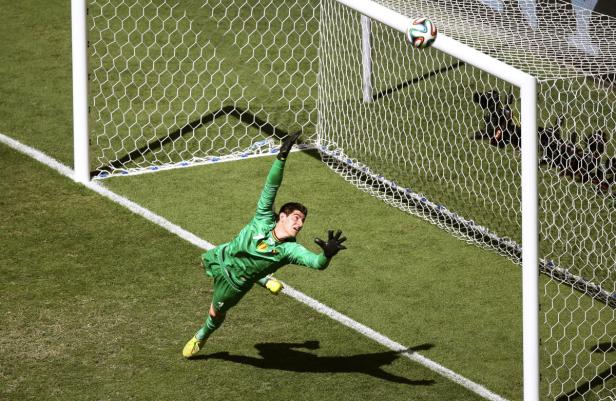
{"x": 194, "y": 345}
{"x": 225, "y": 297}
{"x": 211, "y": 324}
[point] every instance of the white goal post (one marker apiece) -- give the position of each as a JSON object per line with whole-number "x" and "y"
{"x": 81, "y": 138}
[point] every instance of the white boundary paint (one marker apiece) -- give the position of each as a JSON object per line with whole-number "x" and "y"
{"x": 288, "y": 290}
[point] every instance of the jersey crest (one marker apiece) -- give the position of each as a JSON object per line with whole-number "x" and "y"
{"x": 264, "y": 246}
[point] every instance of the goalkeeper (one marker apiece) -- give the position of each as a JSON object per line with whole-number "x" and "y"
{"x": 263, "y": 246}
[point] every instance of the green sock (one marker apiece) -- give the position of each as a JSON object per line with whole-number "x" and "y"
{"x": 209, "y": 327}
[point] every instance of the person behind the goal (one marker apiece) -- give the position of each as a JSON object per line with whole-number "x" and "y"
{"x": 263, "y": 246}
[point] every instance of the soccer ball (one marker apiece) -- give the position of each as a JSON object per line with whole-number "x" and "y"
{"x": 421, "y": 33}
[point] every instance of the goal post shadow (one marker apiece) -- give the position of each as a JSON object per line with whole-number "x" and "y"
{"x": 416, "y": 80}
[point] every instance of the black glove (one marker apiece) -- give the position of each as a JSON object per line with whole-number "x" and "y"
{"x": 287, "y": 144}
{"x": 333, "y": 244}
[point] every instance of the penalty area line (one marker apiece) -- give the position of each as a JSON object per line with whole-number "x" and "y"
{"x": 288, "y": 290}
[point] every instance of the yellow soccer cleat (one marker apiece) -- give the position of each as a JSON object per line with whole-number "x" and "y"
{"x": 274, "y": 286}
{"x": 192, "y": 347}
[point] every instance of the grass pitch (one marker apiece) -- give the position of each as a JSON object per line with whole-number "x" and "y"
{"x": 97, "y": 304}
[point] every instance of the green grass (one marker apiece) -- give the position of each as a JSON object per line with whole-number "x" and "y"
{"x": 35, "y": 106}
{"x": 96, "y": 303}
{"x": 404, "y": 260}
{"x": 419, "y": 276}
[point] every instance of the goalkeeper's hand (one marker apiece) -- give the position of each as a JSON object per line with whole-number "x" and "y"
{"x": 287, "y": 144}
{"x": 333, "y": 244}
{"x": 274, "y": 286}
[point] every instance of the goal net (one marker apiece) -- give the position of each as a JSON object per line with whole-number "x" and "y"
{"x": 441, "y": 139}
{"x": 177, "y": 83}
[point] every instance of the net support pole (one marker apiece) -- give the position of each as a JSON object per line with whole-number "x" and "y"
{"x": 81, "y": 140}
{"x": 366, "y": 57}
{"x": 530, "y": 202}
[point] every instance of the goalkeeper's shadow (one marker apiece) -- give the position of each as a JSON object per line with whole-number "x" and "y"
{"x": 291, "y": 357}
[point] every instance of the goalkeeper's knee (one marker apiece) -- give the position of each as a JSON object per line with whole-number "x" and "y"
{"x": 274, "y": 286}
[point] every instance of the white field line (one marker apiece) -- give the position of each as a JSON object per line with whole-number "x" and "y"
{"x": 288, "y": 290}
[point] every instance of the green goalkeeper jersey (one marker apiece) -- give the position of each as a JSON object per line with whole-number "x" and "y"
{"x": 255, "y": 252}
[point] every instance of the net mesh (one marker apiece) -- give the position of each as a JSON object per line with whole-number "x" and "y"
{"x": 547, "y": 39}
{"x": 176, "y": 83}
{"x": 440, "y": 139}
{"x": 172, "y": 85}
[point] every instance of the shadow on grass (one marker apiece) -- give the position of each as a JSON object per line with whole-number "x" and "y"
{"x": 416, "y": 80}
{"x": 242, "y": 115}
{"x": 599, "y": 381}
{"x": 287, "y": 356}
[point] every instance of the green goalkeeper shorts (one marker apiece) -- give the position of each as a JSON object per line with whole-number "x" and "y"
{"x": 226, "y": 293}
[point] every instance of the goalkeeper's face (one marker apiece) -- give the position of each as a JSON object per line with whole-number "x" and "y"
{"x": 289, "y": 225}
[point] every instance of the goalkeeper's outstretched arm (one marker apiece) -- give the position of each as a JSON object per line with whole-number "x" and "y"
{"x": 320, "y": 261}
{"x": 302, "y": 256}
{"x": 274, "y": 179}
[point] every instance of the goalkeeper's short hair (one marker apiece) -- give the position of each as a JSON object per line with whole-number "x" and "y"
{"x": 290, "y": 207}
